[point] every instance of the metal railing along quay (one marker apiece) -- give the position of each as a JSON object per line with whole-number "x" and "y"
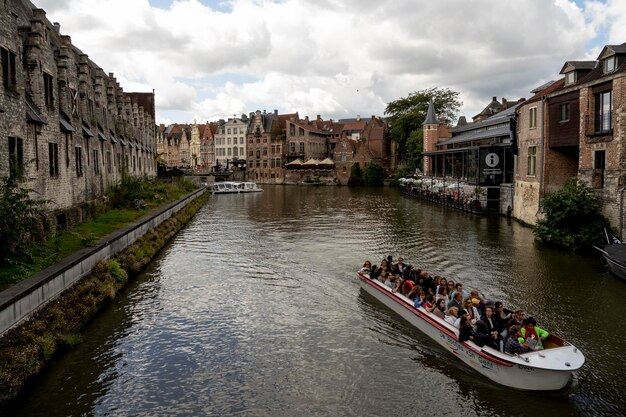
{"x": 459, "y": 202}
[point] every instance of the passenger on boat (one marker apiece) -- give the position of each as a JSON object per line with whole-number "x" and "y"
{"x": 465, "y": 329}
{"x": 390, "y": 280}
{"x": 481, "y": 302}
{"x": 441, "y": 282}
{"x": 375, "y": 272}
{"x": 450, "y": 290}
{"x": 513, "y": 346}
{"x": 502, "y": 317}
{"x": 414, "y": 293}
{"x": 452, "y": 315}
{"x": 397, "y": 284}
{"x": 367, "y": 268}
{"x": 533, "y": 334}
{"x": 439, "y": 308}
{"x": 517, "y": 319}
{"x": 421, "y": 300}
{"x": 407, "y": 287}
{"x": 384, "y": 265}
{"x": 459, "y": 288}
{"x": 491, "y": 323}
{"x": 472, "y": 311}
{"x": 482, "y": 336}
{"x": 442, "y": 294}
{"x": 457, "y": 301}
{"x": 401, "y": 265}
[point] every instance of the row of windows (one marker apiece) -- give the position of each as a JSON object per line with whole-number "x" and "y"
{"x": 602, "y": 113}
{"x": 234, "y": 131}
{"x": 227, "y": 141}
{"x": 229, "y": 152}
{"x": 265, "y": 163}
{"x": 16, "y": 159}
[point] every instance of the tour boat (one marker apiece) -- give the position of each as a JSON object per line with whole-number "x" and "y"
{"x": 230, "y": 187}
{"x": 226, "y": 187}
{"x": 543, "y": 370}
{"x": 250, "y": 187}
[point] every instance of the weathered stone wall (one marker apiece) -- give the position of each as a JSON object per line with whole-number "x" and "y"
{"x": 608, "y": 184}
{"x": 80, "y": 121}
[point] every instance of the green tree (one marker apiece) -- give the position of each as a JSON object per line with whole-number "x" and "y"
{"x": 356, "y": 177}
{"x": 572, "y": 217}
{"x": 406, "y": 117}
{"x": 373, "y": 174}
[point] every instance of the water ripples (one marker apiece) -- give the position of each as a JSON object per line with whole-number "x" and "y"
{"x": 253, "y": 309}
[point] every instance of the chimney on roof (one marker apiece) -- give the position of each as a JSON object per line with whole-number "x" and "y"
{"x": 264, "y": 111}
{"x": 275, "y": 112}
{"x": 504, "y": 102}
{"x": 358, "y": 117}
{"x": 306, "y": 119}
{"x": 319, "y": 118}
{"x": 494, "y": 98}
{"x": 373, "y": 116}
{"x": 57, "y": 27}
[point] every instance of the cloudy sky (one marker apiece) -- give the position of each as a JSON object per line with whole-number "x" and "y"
{"x": 211, "y": 59}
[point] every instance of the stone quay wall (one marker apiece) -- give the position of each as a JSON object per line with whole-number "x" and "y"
{"x": 24, "y": 298}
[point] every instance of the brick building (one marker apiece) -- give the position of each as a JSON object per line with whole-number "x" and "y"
{"x": 576, "y": 127}
{"x": 65, "y": 122}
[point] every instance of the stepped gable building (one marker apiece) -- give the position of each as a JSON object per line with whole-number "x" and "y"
{"x": 581, "y": 132}
{"x": 478, "y": 153}
{"x": 207, "y": 144}
{"x": 265, "y": 139}
{"x": 66, "y": 123}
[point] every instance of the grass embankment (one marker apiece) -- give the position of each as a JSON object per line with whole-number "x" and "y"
{"x": 25, "y": 350}
{"x": 118, "y": 213}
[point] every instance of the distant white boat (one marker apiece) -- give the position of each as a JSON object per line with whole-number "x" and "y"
{"x": 543, "y": 370}
{"x": 250, "y": 187}
{"x": 226, "y": 187}
{"x": 231, "y": 187}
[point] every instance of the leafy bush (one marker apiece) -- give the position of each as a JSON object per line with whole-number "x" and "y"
{"x": 117, "y": 272}
{"x": 356, "y": 178}
{"x": 21, "y": 221}
{"x": 373, "y": 174}
{"x": 572, "y": 217}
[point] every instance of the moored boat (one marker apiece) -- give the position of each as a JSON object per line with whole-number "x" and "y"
{"x": 614, "y": 253}
{"x": 544, "y": 370}
{"x": 250, "y": 187}
{"x": 226, "y": 187}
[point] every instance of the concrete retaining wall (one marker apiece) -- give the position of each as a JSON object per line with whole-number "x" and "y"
{"x": 26, "y": 297}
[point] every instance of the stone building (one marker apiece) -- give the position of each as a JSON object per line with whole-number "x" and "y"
{"x": 265, "y": 139}
{"x": 581, "y": 122}
{"x": 230, "y": 141}
{"x": 207, "y": 144}
{"x": 67, "y": 124}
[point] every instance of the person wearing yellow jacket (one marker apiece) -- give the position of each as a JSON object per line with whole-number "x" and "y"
{"x": 533, "y": 334}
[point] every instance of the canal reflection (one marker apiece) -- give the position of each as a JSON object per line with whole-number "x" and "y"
{"x": 254, "y": 309}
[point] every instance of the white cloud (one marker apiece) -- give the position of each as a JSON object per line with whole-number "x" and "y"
{"x": 333, "y": 58}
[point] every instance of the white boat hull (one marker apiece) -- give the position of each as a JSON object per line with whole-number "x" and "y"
{"x": 539, "y": 371}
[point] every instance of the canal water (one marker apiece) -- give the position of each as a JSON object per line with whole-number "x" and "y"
{"x": 253, "y": 309}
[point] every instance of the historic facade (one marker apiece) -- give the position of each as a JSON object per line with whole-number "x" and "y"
{"x": 64, "y": 123}
{"x": 230, "y": 141}
{"x": 576, "y": 127}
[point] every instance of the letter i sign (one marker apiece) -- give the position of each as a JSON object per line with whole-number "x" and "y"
{"x": 492, "y": 160}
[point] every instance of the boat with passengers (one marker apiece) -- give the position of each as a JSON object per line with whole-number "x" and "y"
{"x": 548, "y": 369}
